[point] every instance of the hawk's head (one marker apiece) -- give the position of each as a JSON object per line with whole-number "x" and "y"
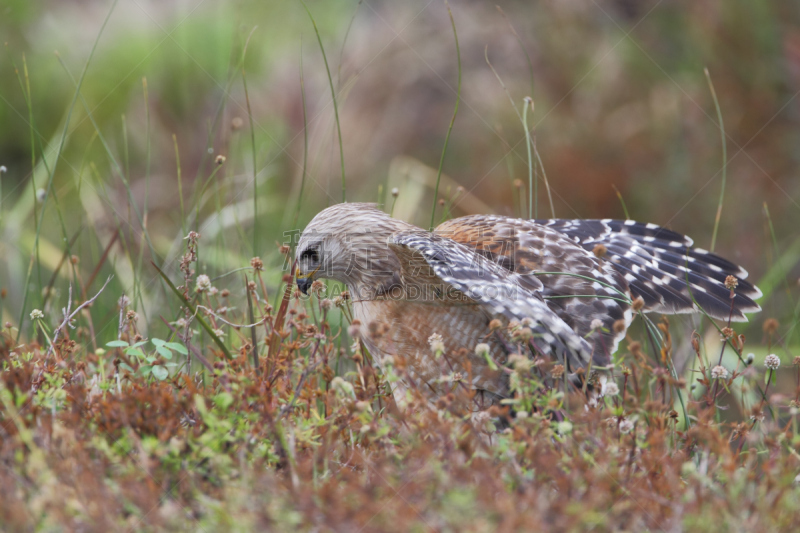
{"x": 347, "y": 243}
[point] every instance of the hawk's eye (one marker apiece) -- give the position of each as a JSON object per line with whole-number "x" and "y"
{"x": 310, "y": 255}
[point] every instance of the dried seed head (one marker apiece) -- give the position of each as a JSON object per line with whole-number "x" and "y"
{"x": 731, "y": 282}
{"x": 619, "y": 326}
{"x": 37, "y": 314}
{"x": 520, "y": 363}
{"x": 749, "y": 359}
{"x": 719, "y": 372}
{"x": 771, "y": 325}
{"x": 728, "y": 332}
{"x": 638, "y": 304}
{"x": 203, "y": 283}
{"x": 395, "y": 192}
{"x": 626, "y": 426}
{"x": 317, "y": 287}
{"x": 225, "y": 293}
{"x": 132, "y": 316}
{"x": 326, "y": 304}
{"x": 495, "y": 324}
{"x": 522, "y": 334}
{"x": 251, "y": 286}
{"x": 284, "y": 249}
{"x": 610, "y": 388}
{"x": 599, "y": 251}
{"x": 355, "y": 329}
{"x": 557, "y": 371}
{"x": 772, "y": 361}
{"x": 482, "y": 349}
{"x": 220, "y": 159}
{"x": 257, "y": 264}
{"x": 436, "y": 343}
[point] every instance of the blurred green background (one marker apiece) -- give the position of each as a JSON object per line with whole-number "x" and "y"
{"x": 621, "y": 100}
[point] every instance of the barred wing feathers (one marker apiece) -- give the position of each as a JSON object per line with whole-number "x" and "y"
{"x": 498, "y": 291}
{"x": 580, "y": 288}
{"x": 664, "y": 268}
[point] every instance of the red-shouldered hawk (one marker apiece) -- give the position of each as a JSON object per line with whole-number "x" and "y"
{"x": 568, "y": 288}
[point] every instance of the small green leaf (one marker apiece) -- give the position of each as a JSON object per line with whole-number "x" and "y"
{"x": 145, "y": 369}
{"x": 126, "y": 366}
{"x": 180, "y": 348}
{"x": 164, "y": 352}
{"x": 158, "y": 342}
{"x": 134, "y": 351}
{"x": 117, "y": 344}
{"x": 160, "y": 372}
{"x": 138, "y": 344}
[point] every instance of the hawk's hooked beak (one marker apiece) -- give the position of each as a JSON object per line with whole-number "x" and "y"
{"x": 304, "y": 283}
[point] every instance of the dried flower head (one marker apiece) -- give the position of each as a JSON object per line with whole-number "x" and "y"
{"x": 220, "y": 159}
{"x": 132, "y": 316}
{"x": 225, "y": 293}
{"x": 599, "y": 251}
{"x": 596, "y": 324}
{"x": 638, "y": 304}
{"x": 731, "y": 282}
{"x": 495, "y": 324}
{"x": 257, "y": 264}
{"x": 557, "y": 371}
{"x": 619, "y": 326}
{"x": 626, "y": 426}
{"x": 482, "y": 349}
{"x": 354, "y": 330}
{"x": 37, "y": 314}
{"x": 727, "y": 333}
{"x": 610, "y": 388}
{"x": 719, "y": 372}
{"x": 326, "y": 304}
{"x": 317, "y": 287}
{"x": 749, "y": 359}
{"x": 203, "y": 283}
{"x": 520, "y": 363}
{"x": 395, "y": 192}
{"x": 771, "y": 325}
{"x": 436, "y": 343}
{"x": 343, "y": 388}
{"x": 527, "y": 322}
{"x": 772, "y": 361}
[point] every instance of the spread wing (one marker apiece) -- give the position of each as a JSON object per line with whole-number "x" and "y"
{"x": 663, "y": 268}
{"x": 579, "y": 287}
{"x": 496, "y": 290}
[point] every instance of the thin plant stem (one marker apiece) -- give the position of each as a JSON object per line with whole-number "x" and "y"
{"x": 724, "y": 160}
{"x": 333, "y": 96}
{"x": 452, "y": 120}
{"x": 253, "y": 146}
